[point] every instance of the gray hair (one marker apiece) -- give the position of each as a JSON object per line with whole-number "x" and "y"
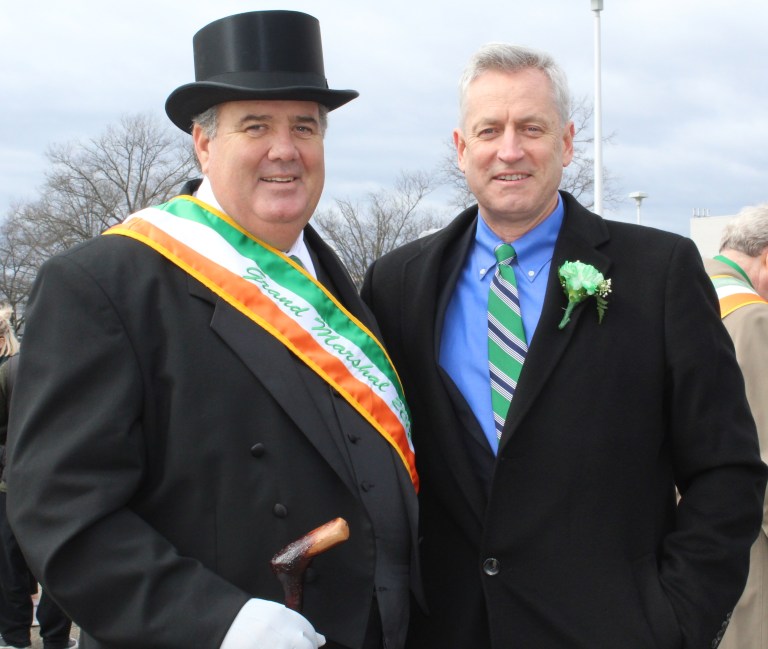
{"x": 748, "y": 232}
{"x": 208, "y": 120}
{"x": 503, "y": 57}
{"x": 10, "y": 343}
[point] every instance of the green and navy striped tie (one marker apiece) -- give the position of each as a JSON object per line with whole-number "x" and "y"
{"x": 506, "y": 337}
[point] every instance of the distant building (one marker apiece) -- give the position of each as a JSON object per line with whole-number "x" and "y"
{"x": 706, "y": 231}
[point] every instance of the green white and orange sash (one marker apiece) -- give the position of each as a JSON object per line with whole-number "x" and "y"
{"x": 281, "y": 297}
{"x": 734, "y": 293}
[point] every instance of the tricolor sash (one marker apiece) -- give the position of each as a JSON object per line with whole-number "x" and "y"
{"x": 281, "y": 297}
{"x": 734, "y": 293}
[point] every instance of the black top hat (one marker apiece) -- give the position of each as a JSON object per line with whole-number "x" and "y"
{"x": 255, "y": 55}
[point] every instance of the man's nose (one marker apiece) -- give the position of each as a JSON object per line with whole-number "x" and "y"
{"x": 283, "y": 146}
{"x": 510, "y": 146}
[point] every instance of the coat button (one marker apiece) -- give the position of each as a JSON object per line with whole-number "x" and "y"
{"x": 491, "y": 567}
{"x": 257, "y": 450}
{"x": 366, "y": 486}
{"x": 280, "y": 510}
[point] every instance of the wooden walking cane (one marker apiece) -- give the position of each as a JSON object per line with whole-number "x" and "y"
{"x": 292, "y": 561}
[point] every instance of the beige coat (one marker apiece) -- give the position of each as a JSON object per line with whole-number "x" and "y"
{"x": 748, "y": 327}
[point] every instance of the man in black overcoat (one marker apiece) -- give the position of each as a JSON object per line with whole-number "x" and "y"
{"x": 554, "y": 524}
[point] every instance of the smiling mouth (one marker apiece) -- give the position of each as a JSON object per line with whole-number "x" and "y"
{"x": 280, "y": 179}
{"x": 512, "y": 177}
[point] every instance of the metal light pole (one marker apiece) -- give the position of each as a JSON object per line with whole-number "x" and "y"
{"x": 638, "y": 196}
{"x": 597, "y": 7}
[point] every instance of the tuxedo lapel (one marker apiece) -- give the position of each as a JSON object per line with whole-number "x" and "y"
{"x": 334, "y": 275}
{"x": 277, "y": 370}
{"x": 581, "y": 233}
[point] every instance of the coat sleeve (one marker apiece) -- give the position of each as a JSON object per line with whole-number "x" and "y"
{"x": 78, "y": 449}
{"x": 3, "y": 403}
{"x": 3, "y": 421}
{"x": 749, "y": 330}
{"x": 704, "y": 561}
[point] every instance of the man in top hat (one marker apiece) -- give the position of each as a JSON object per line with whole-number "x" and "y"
{"x": 201, "y": 386}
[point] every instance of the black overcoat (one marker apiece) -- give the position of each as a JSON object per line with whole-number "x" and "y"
{"x": 571, "y": 538}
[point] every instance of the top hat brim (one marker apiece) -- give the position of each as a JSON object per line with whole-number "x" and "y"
{"x": 188, "y": 101}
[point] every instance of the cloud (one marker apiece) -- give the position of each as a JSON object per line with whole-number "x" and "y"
{"x": 680, "y": 89}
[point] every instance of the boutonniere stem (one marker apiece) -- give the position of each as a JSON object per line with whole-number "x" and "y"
{"x": 580, "y": 281}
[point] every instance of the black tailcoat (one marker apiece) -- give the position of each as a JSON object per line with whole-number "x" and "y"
{"x": 165, "y": 447}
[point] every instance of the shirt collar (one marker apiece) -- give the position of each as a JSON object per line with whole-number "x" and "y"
{"x": 534, "y": 249}
{"x": 205, "y": 193}
{"x": 298, "y": 249}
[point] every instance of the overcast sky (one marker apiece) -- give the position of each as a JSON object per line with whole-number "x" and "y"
{"x": 684, "y": 85}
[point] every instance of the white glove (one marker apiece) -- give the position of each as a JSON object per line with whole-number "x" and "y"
{"x": 263, "y": 624}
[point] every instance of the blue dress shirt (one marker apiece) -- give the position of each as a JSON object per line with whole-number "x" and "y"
{"x": 464, "y": 342}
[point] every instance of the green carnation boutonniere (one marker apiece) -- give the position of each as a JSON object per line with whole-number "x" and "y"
{"x": 581, "y": 281}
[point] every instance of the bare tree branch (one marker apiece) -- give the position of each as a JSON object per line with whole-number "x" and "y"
{"x": 361, "y": 233}
{"x": 95, "y": 184}
{"x": 90, "y": 186}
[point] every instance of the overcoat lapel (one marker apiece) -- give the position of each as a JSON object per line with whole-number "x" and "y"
{"x": 451, "y": 266}
{"x": 433, "y": 275}
{"x": 581, "y": 233}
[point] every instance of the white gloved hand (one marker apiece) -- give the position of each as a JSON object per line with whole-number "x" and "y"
{"x": 263, "y": 624}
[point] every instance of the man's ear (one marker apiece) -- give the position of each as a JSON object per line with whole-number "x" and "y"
{"x": 568, "y": 134}
{"x": 461, "y": 145}
{"x": 764, "y": 260}
{"x": 202, "y": 144}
